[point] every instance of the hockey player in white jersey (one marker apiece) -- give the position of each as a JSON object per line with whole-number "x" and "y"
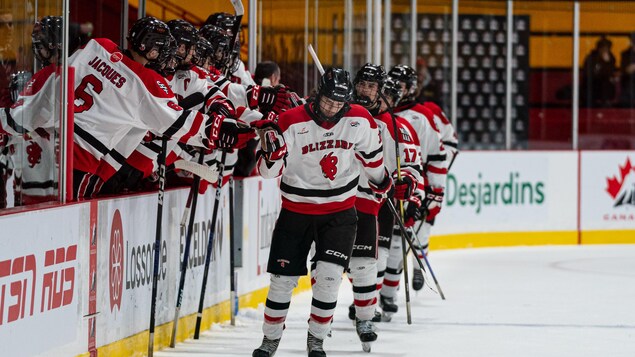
{"x": 319, "y": 185}
{"x": 118, "y": 100}
{"x": 429, "y": 196}
{"x": 32, "y": 119}
{"x": 367, "y": 257}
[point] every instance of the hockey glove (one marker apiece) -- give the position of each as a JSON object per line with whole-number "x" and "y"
{"x": 222, "y": 107}
{"x": 405, "y": 186}
{"x": 268, "y": 98}
{"x": 273, "y": 146}
{"x": 432, "y": 201}
{"x": 234, "y": 134}
{"x": 384, "y": 189}
{"x": 413, "y": 211}
{"x": 212, "y": 129}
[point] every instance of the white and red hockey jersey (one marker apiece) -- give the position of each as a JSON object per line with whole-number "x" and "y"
{"x": 410, "y": 159}
{"x": 117, "y": 101}
{"x": 448, "y": 134}
{"x": 242, "y": 76}
{"x": 432, "y": 150}
{"x": 320, "y": 174}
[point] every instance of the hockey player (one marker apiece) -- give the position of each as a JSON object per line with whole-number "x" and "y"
{"x": 430, "y": 194}
{"x": 31, "y": 120}
{"x": 236, "y": 69}
{"x": 319, "y": 184}
{"x": 450, "y": 142}
{"x": 369, "y": 81}
{"x": 118, "y": 101}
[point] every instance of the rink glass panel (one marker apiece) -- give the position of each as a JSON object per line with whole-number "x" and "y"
{"x": 29, "y": 164}
{"x": 607, "y": 97}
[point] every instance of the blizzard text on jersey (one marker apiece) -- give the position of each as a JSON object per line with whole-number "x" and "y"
{"x": 326, "y": 145}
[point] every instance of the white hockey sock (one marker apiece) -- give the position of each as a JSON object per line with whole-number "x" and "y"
{"x": 363, "y": 271}
{"x": 277, "y": 305}
{"x": 394, "y": 267}
{"x": 382, "y": 258}
{"x": 423, "y": 238}
{"x": 326, "y": 281}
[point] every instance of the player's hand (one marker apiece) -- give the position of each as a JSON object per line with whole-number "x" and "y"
{"x": 272, "y": 143}
{"x": 404, "y": 186}
{"x": 432, "y": 201}
{"x": 384, "y": 189}
{"x": 222, "y": 107}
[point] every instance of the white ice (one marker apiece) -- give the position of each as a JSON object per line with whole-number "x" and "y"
{"x": 564, "y": 301}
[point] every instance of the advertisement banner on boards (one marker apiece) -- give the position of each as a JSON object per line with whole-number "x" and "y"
{"x": 126, "y": 258}
{"x": 41, "y": 282}
{"x": 261, "y": 207}
{"x": 607, "y": 190}
{"x": 510, "y": 192}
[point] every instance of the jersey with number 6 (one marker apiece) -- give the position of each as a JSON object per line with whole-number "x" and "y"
{"x": 117, "y": 101}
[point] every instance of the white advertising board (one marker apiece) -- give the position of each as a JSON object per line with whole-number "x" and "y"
{"x": 607, "y": 190}
{"x": 41, "y": 283}
{"x": 510, "y": 192}
{"x": 125, "y": 261}
{"x": 261, "y": 207}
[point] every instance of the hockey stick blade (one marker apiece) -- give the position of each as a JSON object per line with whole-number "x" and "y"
{"x": 209, "y": 174}
{"x": 318, "y": 64}
{"x": 239, "y": 10}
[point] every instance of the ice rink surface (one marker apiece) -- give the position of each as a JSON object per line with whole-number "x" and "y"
{"x": 564, "y": 301}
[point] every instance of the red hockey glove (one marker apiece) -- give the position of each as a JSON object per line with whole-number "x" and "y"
{"x": 384, "y": 189}
{"x": 222, "y": 107}
{"x": 432, "y": 201}
{"x": 405, "y": 186}
{"x": 212, "y": 129}
{"x": 273, "y": 146}
{"x": 413, "y": 210}
{"x": 268, "y": 98}
{"x": 234, "y": 134}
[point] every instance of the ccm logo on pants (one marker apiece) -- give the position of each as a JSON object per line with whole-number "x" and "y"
{"x": 336, "y": 254}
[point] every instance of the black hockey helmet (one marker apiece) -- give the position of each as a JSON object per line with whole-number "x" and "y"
{"x": 234, "y": 57}
{"x": 148, "y": 33}
{"x": 407, "y": 75}
{"x": 224, "y": 20}
{"x": 219, "y": 40}
{"x": 369, "y": 73}
{"x": 167, "y": 61}
{"x": 336, "y": 85}
{"x": 47, "y": 34}
{"x": 392, "y": 91}
{"x": 203, "y": 51}
{"x": 184, "y": 33}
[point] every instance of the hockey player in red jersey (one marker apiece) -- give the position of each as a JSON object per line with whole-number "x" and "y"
{"x": 118, "y": 101}
{"x": 367, "y": 257}
{"x": 429, "y": 196}
{"x": 324, "y": 139}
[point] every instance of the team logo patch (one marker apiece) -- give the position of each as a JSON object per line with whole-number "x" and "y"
{"x": 163, "y": 87}
{"x": 34, "y": 154}
{"x": 354, "y": 124}
{"x": 328, "y": 134}
{"x": 283, "y": 262}
{"x": 304, "y": 131}
{"x": 329, "y": 166}
{"x": 622, "y": 187}
{"x": 116, "y": 57}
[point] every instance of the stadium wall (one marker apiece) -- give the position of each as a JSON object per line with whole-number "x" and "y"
{"x": 79, "y": 276}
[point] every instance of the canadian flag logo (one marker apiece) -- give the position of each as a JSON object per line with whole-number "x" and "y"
{"x": 622, "y": 187}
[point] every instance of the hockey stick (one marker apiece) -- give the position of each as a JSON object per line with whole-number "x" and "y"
{"x": 401, "y": 210}
{"x": 209, "y": 174}
{"x": 318, "y": 64}
{"x": 233, "y": 304}
{"x": 425, "y": 258}
{"x": 157, "y": 245}
{"x": 210, "y": 244}
{"x": 186, "y": 254}
{"x": 239, "y": 10}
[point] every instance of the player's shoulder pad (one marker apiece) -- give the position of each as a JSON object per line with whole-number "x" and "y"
{"x": 428, "y": 114}
{"x": 437, "y": 111}
{"x": 200, "y": 72}
{"x": 359, "y": 111}
{"x": 156, "y": 84}
{"x": 38, "y": 80}
{"x": 293, "y": 116}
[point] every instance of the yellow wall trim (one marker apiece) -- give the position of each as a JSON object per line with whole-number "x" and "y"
{"x": 502, "y": 239}
{"x": 137, "y": 345}
{"x": 608, "y": 237}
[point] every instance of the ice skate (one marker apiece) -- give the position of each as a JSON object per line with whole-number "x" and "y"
{"x": 351, "y": 315}
{"x": 268, "y": 348}
{"x": 388, "y": 308}
{"x": 366, "y": 332}
{"x": 417, "y": 279}
{"x": 314, "y": 346}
